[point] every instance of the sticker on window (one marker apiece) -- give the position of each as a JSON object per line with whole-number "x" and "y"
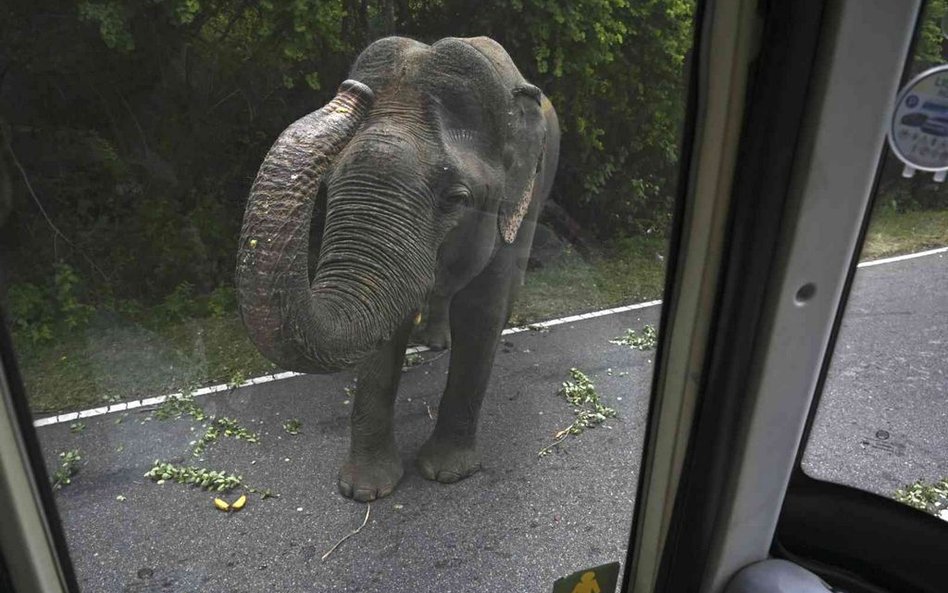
{"x": 601, "y": 579}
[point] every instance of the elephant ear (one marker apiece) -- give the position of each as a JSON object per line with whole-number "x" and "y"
{"x": 523, "y": 158}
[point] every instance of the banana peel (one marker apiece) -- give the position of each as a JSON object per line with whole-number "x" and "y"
{"x": 223, "y": 505}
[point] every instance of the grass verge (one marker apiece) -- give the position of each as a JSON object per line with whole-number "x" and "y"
{"x": 896, "y": 233}
{"x": 114, "y": 359}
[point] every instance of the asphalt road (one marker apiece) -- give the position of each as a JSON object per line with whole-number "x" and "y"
{"x": 517, "y": 525}
{"x": 883, "y": 417}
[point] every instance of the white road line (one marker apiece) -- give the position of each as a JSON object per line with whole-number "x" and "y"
{"x": 582, "y": 317}
{"x": 154, "y": 401}
{"x": 889, "y": 260}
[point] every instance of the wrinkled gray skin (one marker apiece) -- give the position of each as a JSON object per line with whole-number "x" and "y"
{"x": 435, "y": 161}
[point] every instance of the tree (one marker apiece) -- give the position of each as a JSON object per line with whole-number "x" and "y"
{"x": 614, "y": 69}
{"x": 141, "y": 123}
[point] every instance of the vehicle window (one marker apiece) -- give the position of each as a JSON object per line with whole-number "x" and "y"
{"x": 881, "y": 424}
{"x": 410, "y": 340}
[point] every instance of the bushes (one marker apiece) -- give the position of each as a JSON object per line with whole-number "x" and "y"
{"x": 182, "y": 304}
{"x": 37, "y": 311}
{"x": 31, "y": 314}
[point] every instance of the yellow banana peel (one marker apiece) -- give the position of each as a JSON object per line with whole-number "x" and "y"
{"x": 239, "y": 503}
{"x": 221, "y": 504}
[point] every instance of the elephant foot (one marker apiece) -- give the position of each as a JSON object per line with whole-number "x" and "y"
{"x": 436, "y": 337}
{"x": 365, "y": 478}
{"x": 447, "y": 462}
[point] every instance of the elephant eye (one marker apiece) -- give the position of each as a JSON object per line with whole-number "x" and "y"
{"x": 457, "y": 196}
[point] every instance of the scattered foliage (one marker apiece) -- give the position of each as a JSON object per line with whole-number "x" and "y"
{"x": 589, "y": 410}
{"x": 215, "y": 481}
{"x": 223, "y": 426}
{"x": 929, "y": 497}
{"x": 238, "y": 378}
{"x": 264, "y": 493}
{"x": 68, "y": 467}
{"x": 292, "y": 426}
{"x": 412, "y": 360}
{"x": 644, "y": 341}
{"x": 177, "y": 406}
{"x": 77, "y": 427}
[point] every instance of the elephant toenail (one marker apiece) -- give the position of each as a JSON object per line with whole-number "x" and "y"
{"x": 448, "y": 477}
{"x": 365, "y": 495}
{"x": 345, "y": 489}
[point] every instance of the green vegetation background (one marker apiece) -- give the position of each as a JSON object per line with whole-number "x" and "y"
{"x": 130, "y": 131}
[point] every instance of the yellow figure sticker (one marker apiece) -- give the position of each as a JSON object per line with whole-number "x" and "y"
{"x": 587, "y": 584}
{"x": 601, "y": 579}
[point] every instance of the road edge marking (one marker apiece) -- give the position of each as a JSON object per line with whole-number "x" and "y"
{"x": 158, "y": 400}
{"x": 898, "y": 258}
{"x": 154, "y": 401}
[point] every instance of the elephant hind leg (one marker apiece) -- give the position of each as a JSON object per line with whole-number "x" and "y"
{"x": 478, "y": 315}
{"x": 447, "y": 461}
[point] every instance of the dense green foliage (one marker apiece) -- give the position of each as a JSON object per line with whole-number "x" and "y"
{"x": 930, "y": 49}
{"x": 139, "y": 125}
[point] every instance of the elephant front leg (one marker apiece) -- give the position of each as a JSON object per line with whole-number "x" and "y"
{"x": 478, "y": 315}
{"x": 374, "y": 467}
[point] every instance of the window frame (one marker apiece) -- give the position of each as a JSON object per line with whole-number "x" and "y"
{"x": 847, "y": 550}
{"x": 757, "y": 385}
{"x": 33, "y": 547}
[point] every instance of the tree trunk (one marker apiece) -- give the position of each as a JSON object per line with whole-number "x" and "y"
{"x": 388, "y": 16}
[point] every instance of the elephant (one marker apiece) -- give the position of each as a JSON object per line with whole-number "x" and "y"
{"x": 434, "y": 161}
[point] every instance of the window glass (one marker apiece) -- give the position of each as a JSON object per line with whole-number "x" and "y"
{"x": 196, "y": 422}
{"x": 881, "y": 425}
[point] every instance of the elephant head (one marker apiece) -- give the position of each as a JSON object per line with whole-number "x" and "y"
{"x": 423, "y": 148}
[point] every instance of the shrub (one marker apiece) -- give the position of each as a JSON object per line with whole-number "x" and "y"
{"x": 36, "y": 311}
{"x": 222, "y": 300}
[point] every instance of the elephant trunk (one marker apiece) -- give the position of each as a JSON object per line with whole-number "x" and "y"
{"x": 374, "y": 268}
{"x": 298, "y": 327}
